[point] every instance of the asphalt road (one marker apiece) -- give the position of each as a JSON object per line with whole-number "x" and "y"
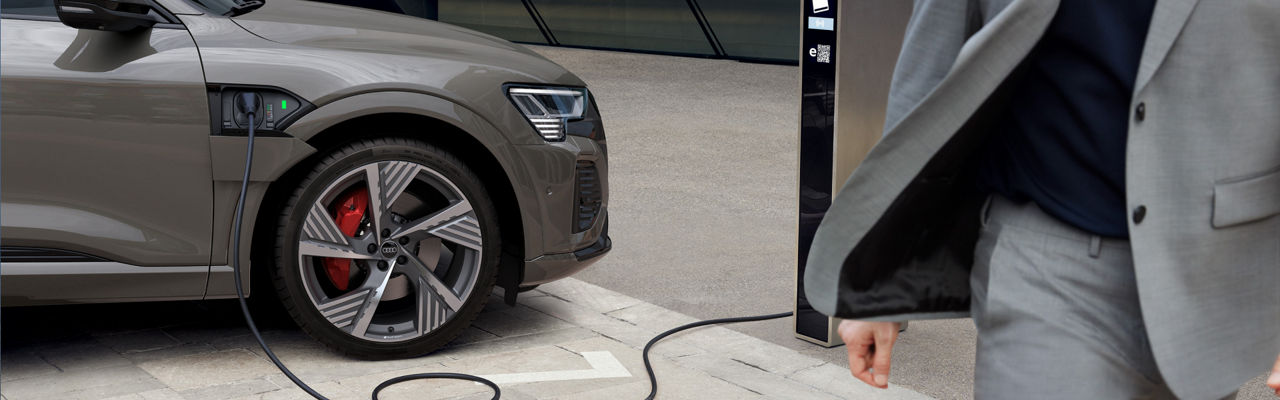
{"x": 703, "y": 157}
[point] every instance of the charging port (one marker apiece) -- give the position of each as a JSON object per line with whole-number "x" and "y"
{"x": 276, "y": 110}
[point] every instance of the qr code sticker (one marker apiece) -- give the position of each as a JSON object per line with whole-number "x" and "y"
{"x": 824, "y": 53}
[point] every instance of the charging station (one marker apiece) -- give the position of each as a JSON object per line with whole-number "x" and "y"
{"x": 848, "y": 50}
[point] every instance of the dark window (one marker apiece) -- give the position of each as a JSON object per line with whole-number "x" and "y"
{"x": 760, "y": 30}
{"x": 39, "y": 8}
{"x": 765, "y": 29}
{"x": 507, "y": 19}
{"x": 652, "y": 25}
{"x": 419, "y": 8}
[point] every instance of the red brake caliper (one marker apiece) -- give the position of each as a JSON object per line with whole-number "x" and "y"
{"x": 349, "y": 213}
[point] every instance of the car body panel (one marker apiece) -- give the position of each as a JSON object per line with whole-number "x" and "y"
{"x": 127, "y": 181}
{"x": 272, "y": 157}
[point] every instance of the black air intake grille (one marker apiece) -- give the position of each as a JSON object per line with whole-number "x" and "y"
{"x": 588, "y": 198}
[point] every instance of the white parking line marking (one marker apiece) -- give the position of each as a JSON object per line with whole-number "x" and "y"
{"x": 603, "y": 365}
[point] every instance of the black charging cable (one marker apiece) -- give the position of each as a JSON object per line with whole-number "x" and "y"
{"x": 247, "y": 103}
{"x": 653, "y": 380}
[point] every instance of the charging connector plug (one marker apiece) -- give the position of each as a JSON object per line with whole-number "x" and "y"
{"x": 248, "y": 110}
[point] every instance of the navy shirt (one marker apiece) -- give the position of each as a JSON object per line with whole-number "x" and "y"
{"x": 1062, "y": 142}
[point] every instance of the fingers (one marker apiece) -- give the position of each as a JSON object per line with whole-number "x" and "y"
{"x": 870, "y": 346}
{"x": 880, "y": 362}
{"x": 860, "y": 363}
{"x": 1274, "y": 381}
{"x": 858, "y": 340}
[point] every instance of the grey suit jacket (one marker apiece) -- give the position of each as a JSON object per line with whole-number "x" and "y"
{"x": 897, "y": 243}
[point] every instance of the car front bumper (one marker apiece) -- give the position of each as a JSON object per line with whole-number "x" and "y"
{"x": 551, "y": 267}
{"x": 568, "y": 230}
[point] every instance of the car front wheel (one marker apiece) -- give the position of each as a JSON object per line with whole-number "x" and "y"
{"x": 388, "y": 248}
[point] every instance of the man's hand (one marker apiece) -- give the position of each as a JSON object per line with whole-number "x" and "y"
{"x": 871, "y": 348}
{"x": 1272, "y": 382}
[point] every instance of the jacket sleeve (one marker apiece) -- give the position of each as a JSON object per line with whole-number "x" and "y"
{"x": 935, "y": 34}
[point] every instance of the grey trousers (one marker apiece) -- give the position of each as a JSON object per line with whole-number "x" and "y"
{"x": 1057, "y": 312}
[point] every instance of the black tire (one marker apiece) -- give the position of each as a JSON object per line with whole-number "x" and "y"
{"x": 287, "y": 275}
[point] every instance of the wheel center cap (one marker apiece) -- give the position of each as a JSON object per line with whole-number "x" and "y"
{"x": 389, "y": 250}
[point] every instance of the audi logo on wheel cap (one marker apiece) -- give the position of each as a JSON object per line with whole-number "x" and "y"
{"x": 389, "y": 250}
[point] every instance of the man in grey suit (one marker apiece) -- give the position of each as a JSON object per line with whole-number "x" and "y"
{"x": 1096, "y": 182}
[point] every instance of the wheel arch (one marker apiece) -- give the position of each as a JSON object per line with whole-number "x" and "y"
{"x": 435, "y": 120}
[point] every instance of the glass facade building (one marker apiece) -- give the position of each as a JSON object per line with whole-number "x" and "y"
{"x": 751, "y": 30}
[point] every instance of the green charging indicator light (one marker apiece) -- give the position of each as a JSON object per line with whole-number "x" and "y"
{"x": 284, "y": 104}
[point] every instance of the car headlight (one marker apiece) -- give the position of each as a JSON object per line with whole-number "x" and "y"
{"x": 549, "y": 109}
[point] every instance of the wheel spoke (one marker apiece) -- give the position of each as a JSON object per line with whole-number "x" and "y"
{"x": 373, "y": 288}
{"x": 325, "y": 249}
{"x": 421, "y": 229}
{"x": 320, "y": 226}
{"x": 373, "y": 179}
{"x": 464, "y": 231}
{"x": 433, "y": 311}
{"x": 436, "y": 300}
{"x": 386, "y": 181}
{"x": 342, "y": 310}
{"x": 395, "y": 177}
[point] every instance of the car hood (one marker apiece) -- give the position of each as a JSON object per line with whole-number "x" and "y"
{"x": 330, "y": 26}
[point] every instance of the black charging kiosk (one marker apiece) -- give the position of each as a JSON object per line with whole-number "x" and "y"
{"x": 848, "y": 49}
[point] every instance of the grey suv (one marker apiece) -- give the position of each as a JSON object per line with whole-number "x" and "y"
{"x": 403, "y": 167}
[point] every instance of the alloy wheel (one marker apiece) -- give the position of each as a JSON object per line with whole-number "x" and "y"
{"x": 412, "y": 256}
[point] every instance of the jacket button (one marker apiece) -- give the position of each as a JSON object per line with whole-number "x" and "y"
{"x": 1141, "y": 112}
{"x": 1138, "y": 214}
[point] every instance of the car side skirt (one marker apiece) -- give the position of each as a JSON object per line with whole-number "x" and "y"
{"x": 42, "y": 283}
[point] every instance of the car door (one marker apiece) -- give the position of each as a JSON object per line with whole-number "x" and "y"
{"x": 104, "y": 161}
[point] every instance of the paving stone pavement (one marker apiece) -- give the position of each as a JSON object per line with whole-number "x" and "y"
{"x": 199, "y": 350}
